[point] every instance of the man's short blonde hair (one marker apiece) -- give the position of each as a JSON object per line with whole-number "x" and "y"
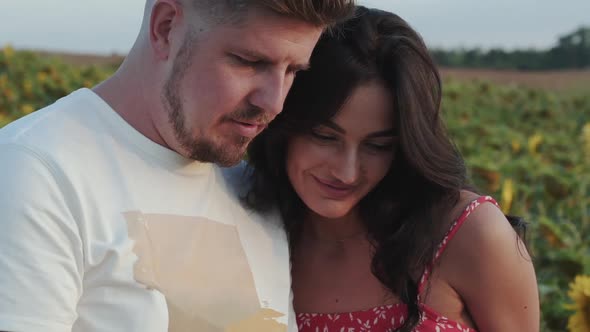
{"x": 321, "y": 13}
{"x": 316, "y": 12}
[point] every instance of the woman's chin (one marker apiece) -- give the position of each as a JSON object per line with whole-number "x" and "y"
{"x": 331, "y": 213}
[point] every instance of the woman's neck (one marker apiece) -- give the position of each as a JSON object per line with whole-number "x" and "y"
{"x": 320, "y": 229}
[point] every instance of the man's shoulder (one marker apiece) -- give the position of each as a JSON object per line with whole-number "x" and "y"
{"x": 51, "y": 123}
{"x": 238, "y": 180}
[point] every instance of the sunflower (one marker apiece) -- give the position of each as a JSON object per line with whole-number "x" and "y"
{"x": 579, "y": 293}
{"x": 534, "y": 142}
{"x": 507, "y": 195}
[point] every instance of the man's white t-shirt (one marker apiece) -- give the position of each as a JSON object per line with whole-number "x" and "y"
{"x": 102, "y": 229}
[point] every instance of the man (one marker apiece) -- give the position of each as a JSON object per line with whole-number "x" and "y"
{"x": 113, "y": 216}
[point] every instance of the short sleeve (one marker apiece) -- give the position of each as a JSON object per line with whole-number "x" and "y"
{"x": 292, "y": 317}
{"x": 41, "y": 257}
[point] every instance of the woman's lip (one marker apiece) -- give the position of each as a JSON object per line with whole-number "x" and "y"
{"x": 336, "y": 186}
{"x": 334, "y": 191}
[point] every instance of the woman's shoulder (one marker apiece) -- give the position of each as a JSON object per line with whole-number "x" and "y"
{"x": 484, "y": 242}
{"x": 473, "y": 208}
{"x": 466, "y": 199}
{"x": 488, "y": 266}
{"x": 481, "y": 221}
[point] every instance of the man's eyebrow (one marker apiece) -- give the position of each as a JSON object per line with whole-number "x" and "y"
{"x": 266, "y": 60}
{"x": 256, "y": 55}
{"x": 298, "y": 67}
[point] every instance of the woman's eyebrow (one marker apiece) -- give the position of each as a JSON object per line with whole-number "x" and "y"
{"x": 377, "y": 134}
{"x": 333, "y": 125}
{"x": 383, "y": 133}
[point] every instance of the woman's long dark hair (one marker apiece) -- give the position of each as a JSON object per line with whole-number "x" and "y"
{"x": 404, "y": 213}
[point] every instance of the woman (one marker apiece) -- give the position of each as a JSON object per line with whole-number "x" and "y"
{"x": 385, "y": 234}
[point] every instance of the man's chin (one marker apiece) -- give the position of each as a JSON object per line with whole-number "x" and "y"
{"x": 230, "y": 156}
{"x": 228, "y": 162}
{"x": 224, "y": 154}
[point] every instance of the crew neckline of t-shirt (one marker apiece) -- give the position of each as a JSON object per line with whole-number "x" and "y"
{"x": 174, "y": 161}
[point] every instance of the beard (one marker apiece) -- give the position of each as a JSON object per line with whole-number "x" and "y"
{"x": 198, "y": 146}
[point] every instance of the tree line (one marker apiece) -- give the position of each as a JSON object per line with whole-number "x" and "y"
{"x": 572, "y": 51}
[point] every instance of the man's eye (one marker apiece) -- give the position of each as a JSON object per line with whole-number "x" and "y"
{"x": 245, "y": 62}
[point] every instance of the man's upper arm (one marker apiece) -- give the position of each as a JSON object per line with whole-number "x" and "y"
{"x": 41, "y": 261}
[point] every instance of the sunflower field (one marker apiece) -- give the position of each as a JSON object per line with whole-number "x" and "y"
{"x": 29, "y": 82}
{"x": 529, "y": 148}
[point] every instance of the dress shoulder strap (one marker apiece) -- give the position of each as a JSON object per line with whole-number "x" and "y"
{"x": 449, "y": 236}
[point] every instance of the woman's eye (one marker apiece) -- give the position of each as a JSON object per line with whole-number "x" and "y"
{"x": 322, "y": 137}
{"x": 380, "y": 147}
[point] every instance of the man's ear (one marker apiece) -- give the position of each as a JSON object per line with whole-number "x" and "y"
{"x": 165, "y": 17}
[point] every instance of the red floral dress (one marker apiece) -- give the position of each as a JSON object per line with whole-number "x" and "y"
{"x": 388, "y": 318}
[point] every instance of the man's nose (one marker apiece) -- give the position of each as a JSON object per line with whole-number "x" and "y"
{"x": 270, "y": 93}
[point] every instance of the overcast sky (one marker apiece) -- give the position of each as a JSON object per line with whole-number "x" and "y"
{"x": 110, "y": 26}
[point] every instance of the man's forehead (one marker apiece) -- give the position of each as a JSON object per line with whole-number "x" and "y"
{"x": 271, "y": 40}
{"x": 252, "y": 53}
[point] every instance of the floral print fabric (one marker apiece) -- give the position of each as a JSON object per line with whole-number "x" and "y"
{"x": 388, "y": 318}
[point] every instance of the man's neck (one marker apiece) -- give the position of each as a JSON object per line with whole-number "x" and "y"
{"x": 126, "y": 93}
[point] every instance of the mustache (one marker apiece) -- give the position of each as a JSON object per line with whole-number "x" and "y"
{"x": 250, "y": 114}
